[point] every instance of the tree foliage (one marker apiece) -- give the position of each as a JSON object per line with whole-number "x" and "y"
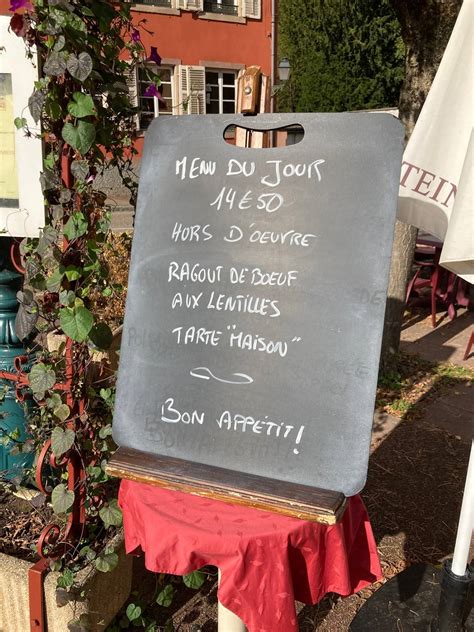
{"x": 344, "y": 55}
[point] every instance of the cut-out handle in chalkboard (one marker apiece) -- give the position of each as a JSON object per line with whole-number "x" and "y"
{"x": 285, "y": 135}
{"x": 261, "y": 123}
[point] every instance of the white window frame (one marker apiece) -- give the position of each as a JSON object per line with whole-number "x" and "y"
{"x": 220, "y": 84}
{"x": 237, "y": 4}
{"x": 156, "y": 102}
{"x": 172, "y": 4}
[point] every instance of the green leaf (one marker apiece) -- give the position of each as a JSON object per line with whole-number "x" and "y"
{"x": 88, "y": 553}
{"x": 59, "y": 43}
{"x": 96, "y": 474}
{"x": 62, "y": 440}
{"x": 133, "y": 612}
{"x": 80, "y": 67}
{"x": 53, "y": 282}
{"x": 55, "y": 64}
{"x": 35, "y": 104}
{"x": 194, "y": 579}
{"x": 87, "y": 11}
{"x": 41, "y": 379}
{"x": 80, "y": 137}
{"x": 80, "y": 169}
{"x": 111, "y": 514}
{"x": 81, "y": 105}
{"x": 67, "y": 298}
{"x": 76, "y": 322}
{"x": 48, "y": 236}
{"x": 105, "y": 431}
{"x": 38, "y": 282}
{"x": 74, "y": 21}
{"x": 76, "y": 226}
{"x": 93, "y": 266}
{"x": 53, "y": 108}
{"x": 165, "y": 597}
{"x": 49, "y": 161}
{"x": 73, "y": 273}
{"x": 106, "y": 562}
{"x": 54, "y": 401}
{"x": 20, "y": 122}
{"x": 66, "y": 579}
{"x": 108, "y": 396}
{"x": 62, "y": 412}
{"x": 101, "y": 335}
{"x": 62, "y": 498}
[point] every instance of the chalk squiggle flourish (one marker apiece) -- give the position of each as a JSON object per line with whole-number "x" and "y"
{"x": 204, "y": 373}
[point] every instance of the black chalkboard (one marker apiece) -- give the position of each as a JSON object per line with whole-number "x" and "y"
{"x": 256, "y": 296}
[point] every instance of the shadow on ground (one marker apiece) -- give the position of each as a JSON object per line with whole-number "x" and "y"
{"x": 445, "y": 343}
{"x": 413, "y": 495}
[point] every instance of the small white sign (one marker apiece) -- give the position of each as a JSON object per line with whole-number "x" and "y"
{"x": 21, "y": 198}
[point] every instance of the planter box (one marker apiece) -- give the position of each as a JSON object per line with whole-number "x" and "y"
{"x": 104, "y": 594}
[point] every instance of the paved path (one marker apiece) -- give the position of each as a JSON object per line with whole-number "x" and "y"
{"x": 446, "y": 343}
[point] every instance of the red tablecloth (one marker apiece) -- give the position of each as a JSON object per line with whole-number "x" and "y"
{"x": 266, "y": 560}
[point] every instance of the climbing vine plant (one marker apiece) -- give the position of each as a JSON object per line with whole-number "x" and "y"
{"x": 82, "y": 110}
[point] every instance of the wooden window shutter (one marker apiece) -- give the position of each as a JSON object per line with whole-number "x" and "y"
{"x": 190, "y": 5}
{"x": 132, "y": 83}
{"x": 192, "y": 90}
{"x": 252, "y": 9}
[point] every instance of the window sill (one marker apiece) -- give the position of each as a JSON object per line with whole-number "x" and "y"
{"x": 222, "y": 17}
{"x": 147, "y": 8}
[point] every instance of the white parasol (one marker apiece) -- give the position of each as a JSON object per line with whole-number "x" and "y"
{"x": 436, "y": 186}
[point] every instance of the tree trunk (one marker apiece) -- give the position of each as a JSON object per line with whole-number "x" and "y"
{"x": 426, "y": 26}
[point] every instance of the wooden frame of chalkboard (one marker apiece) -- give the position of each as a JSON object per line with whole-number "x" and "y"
{"x": 240, "y": 488}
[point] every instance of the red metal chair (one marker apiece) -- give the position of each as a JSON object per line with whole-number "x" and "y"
{"x": 444, "y": 286}
{"x": 426, "y": 260}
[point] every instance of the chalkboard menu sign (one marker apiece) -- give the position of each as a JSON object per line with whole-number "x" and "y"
{"x": 256, "y": 296}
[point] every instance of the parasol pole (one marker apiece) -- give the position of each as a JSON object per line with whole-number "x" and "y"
{"x": 466, "y": 522}
{"x": 227, "y": 621}
{"x": 457, "y": 576}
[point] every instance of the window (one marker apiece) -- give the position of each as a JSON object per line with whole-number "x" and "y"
{"x": 157, "y": 3}
{"x": 184, "y": 90}
{"x": 220, "y": 92}
{"x": 227, "y": 7}
{"x": 240, "y": 8}
{"x": 151, "y": 106}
